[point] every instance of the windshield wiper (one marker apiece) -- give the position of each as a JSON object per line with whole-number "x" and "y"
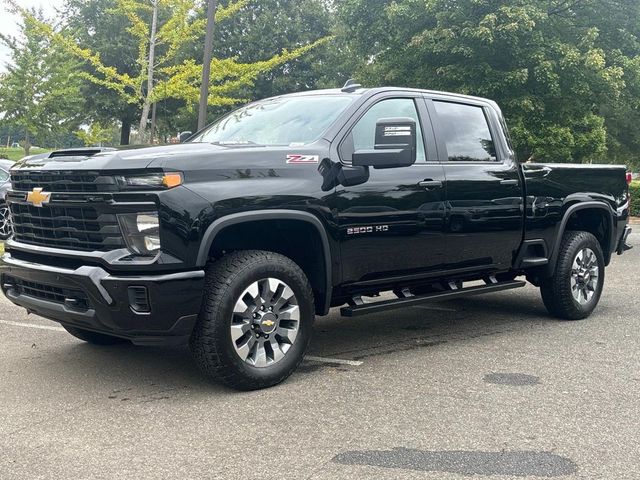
{"x": 236, "y": 143}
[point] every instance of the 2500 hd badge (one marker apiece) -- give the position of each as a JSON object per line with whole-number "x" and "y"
{"x": 368, "y": 229}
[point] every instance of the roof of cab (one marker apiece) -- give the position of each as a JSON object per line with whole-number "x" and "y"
{"x": 373, "y": 91}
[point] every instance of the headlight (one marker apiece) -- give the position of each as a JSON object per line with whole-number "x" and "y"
{"x": 141, "y": 232}
{"x": 150, "y": 181}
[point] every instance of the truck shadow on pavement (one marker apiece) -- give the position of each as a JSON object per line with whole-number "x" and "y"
{"x": 335, "y": 337}
{"x": 428, "y": 326}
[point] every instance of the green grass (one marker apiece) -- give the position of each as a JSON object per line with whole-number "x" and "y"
{"x": 16, "y": 154}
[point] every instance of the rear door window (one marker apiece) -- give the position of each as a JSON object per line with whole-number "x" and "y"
{"x": 465, "y": 131}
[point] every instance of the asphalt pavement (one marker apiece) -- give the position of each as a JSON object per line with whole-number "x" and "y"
{"x": 486, "y": 388}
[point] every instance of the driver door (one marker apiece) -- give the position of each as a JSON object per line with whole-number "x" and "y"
{"x": 393, "y": 224}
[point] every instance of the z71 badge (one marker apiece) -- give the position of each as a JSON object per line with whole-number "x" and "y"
{"x": 303, "y": 159}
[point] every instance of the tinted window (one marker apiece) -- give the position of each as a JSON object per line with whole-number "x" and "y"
{"x": 466, "y": 132}
{"x": 364, "y": 132}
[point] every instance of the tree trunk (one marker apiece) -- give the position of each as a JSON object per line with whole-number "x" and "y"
{"x": 153, "y": 122}
{"x": 152, "y": 58}
{"x": 206, "y": 63}
{"x": 27, "y": 143}
{"x": 125, "y": 131}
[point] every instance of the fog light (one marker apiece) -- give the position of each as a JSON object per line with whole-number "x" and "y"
{"x": 152, "y": 243}
{"x": 142, "y": 232}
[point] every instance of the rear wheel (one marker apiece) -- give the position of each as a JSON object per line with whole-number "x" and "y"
{"x": 94, "y": 337}
{"x": 256, "y": 320}
{"x": 574, "y": 290}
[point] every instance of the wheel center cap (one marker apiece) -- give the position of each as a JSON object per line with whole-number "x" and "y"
{"x": 268, "y": 323}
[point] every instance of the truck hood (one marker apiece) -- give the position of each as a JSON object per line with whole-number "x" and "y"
{"x": 112, "y": 159}
{"x": 185, "y": 155}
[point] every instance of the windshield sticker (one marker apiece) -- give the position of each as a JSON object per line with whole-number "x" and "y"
{"x": 303, "y": 159}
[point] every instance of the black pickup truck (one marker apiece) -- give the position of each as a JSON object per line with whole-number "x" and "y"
{"x": 233, "y": 241}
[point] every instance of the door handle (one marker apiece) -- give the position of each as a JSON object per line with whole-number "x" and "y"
{"x": 508, "y": 182}
{"x": 428, "y": 184}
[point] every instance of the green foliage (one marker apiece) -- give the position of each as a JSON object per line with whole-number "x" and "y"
{"x": 546, "y": 62}
{"x": 38, "y": 93}
{"x": 259, "y": 31}
{"x": 157, "y": 68}
{"x": 634, "y": 190}
{"x": 96, "y": 134}
{"x": 227, "y": 77}
{"x": 91, "y": 24}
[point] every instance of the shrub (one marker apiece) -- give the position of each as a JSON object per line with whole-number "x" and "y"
{"x": 634, "y": 190}
{"x": 4, "y": 156}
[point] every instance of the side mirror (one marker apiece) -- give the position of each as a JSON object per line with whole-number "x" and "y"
{"x": 395, "y": 145}
{"x": 334, "y": 174}
{"x": 184, "y": 136}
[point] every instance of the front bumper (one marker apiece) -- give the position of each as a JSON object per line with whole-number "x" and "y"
{"x": 89, "y": 297}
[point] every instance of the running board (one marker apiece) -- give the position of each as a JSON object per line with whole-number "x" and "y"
{"x": 366, "y": 308}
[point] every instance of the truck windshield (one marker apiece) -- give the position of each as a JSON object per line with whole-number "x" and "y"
{"x": 277, "y": 121}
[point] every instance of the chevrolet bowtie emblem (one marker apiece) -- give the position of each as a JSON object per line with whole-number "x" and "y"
{"x": 38, "y": 198}
{"x": 268, "y": 323}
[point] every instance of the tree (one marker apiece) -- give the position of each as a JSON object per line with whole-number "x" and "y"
{"x": 39, "y": 92}
{"x": 173, "y": 80}
{"x": 551, "y": 69}
{"x": 212, "y": 6}
{"x": 260, "y": 29}
{"x": 92, "y": 24}
{"x": 96, "y": 134}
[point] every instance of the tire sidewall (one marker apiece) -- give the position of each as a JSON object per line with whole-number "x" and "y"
{"x": 587, "y": 241}
{"x": 295, "y": 354}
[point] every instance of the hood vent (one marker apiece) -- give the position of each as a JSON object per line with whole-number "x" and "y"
{"x": 79, "y": 152}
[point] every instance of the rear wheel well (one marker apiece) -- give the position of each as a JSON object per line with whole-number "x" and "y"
{"x": 296, "y": 239}
{"x": 595, "y": 221}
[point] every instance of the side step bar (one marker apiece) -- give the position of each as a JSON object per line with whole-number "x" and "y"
{"x": 366, "y": 308}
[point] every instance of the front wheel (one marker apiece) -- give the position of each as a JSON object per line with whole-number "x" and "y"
{"x": 574, "y": 290}
{"x": 6, "y": 226}
{"x": 256, "y": 320}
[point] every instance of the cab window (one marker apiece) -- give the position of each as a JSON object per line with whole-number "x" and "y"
{"x": 466, "y": 132}
{"x": 362, "y": 136}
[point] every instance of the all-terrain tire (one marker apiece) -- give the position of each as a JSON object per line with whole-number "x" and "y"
{"x": 557, "y": 290}
{"x": 211, "y": 342}
{"x": 94, "y": 337}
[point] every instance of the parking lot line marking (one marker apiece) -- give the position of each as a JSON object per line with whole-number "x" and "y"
{"x": 337, "y": 361}
{"x": 32, "y": 325}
